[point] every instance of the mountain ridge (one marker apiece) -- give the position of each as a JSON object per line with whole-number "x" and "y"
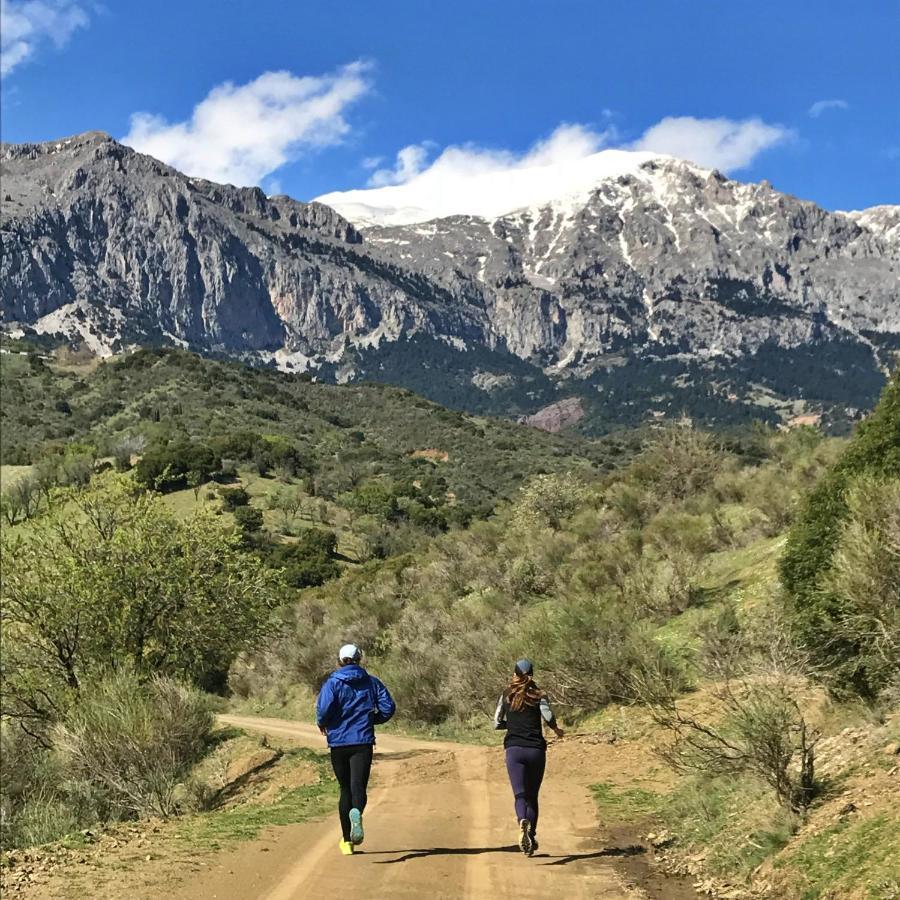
{"x": 672, "y": 268}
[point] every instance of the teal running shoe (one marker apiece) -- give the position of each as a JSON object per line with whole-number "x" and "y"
{"x": 356, "y": 827}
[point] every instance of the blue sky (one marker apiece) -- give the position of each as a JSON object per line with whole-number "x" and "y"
{"x": 352, "y": 84}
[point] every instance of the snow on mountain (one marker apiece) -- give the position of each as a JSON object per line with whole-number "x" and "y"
{"x": 488, "y": 191}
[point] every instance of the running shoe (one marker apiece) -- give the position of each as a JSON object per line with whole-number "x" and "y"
{"x": 356, "y": 827}
{"x": 345, "y": 847}
{"x": 526, "y": 844}
{"x": 534, "y": 845}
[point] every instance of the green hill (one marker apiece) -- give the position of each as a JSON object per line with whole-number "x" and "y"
{"x": 339, "y": 434}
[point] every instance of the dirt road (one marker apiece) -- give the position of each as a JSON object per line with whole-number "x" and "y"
{"x": 440, "y": 824}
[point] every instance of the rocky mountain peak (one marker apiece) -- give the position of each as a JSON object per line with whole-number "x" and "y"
{"x": 654, "y": 262}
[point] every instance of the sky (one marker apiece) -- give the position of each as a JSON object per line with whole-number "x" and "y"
{"x": 413, "y": 97}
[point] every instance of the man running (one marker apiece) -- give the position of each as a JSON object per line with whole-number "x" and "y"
{"x": 351, "y": 703}
{"x": 522, "y": 710}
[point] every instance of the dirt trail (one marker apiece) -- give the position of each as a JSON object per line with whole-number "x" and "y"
{"x": 439, "y": 824}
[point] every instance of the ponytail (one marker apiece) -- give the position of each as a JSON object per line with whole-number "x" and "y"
{"x": 522, "y": 692}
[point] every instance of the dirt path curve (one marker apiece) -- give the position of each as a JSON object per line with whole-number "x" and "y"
{"x": 439, "y": 824}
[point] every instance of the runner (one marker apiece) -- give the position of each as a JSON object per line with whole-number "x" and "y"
{"x": 522, "y": 710}
{"x": 351, "y": 703}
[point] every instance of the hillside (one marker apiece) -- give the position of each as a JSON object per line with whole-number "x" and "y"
{"x": 342, "y": 434}
{"x": 660, "y": 290}
{"x": 716, "y": 730}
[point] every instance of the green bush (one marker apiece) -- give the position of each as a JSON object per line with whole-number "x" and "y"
{"x": 309, "y": 562}
{"x": 864, "y": 577}
{"x": 111, "y": 576}
{"x": 589, "y": 648}
{"x": 128, "y": 744}
{"x": 232, "y": 498}
{"x": 249, "y": 519}
{"x": 175, "y": 464}
{"x": 813, "y": 540}
{"x": 32, "y": 810}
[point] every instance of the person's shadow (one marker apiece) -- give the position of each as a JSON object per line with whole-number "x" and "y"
{"x": 633, "y": 850}
{"x": 436, "y": 851}
{"x": 407, "y": 855}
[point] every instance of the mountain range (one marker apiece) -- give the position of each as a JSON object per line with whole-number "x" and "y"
{"x": 660, "y": 289}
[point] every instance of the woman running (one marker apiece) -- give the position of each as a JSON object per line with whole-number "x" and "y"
{"x": 521, "y": 712}
{"x": 351, "y": 703}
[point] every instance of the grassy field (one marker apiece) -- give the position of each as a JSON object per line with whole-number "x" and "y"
{"x": 187, "y": 502}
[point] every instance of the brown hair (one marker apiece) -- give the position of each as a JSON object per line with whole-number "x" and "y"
{"x": 522, "y": 692}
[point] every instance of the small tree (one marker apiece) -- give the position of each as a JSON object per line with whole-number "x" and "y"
{"x": 549, "y": 499}
{"x": 111, "y": 577}
{"x": 249, "y": 519}
{"x": 758, "y": 725}
{"x": 232, "y": 498}
{"x": 195, "y": 481}
{"x": 22, "y": 499}
{"x": 126, "y": 448}
{"x": 76, "y": 469}
{"x": 287, "y": 500}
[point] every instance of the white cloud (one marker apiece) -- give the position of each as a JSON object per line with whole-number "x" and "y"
{"x": 241, "y": 133}
{"x": 472, "y": 180}
{"x": 410, "y": 162}
{"x": 26, "y": 25}
{"x": 723, "y": 144}
{"x": 821, "y": 106}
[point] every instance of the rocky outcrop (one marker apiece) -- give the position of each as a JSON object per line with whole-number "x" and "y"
{"x": 557, "y": 416}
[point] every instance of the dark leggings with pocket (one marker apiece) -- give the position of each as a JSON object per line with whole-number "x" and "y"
{"x": 352, "y": 765}
{"x": 525, "y": 766}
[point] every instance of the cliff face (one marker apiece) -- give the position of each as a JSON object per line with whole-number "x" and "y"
{"x": 673, "y": 259}
{"x": 105, "y": 242}
{"x": 670, "y": 265}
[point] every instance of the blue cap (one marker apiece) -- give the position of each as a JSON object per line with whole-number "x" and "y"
{"x": 524, "y": 667}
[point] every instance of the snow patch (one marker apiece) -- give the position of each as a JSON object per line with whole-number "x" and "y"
{"x": 485, "y": 194}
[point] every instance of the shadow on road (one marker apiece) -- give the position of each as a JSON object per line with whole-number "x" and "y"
{"x": 407, "y": 855}
{"x": 437, "y": 851}
{"x": 633, "y": 850}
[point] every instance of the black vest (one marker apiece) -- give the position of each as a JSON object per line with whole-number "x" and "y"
{"x": 524, "y": 727}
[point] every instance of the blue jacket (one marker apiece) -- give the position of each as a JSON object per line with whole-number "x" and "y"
{"x": 351, "y": 703}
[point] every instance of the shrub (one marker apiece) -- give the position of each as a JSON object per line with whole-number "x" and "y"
{"x": 590, "y": 647}
{"x": 249, "y": 519}
{"x": 549, "y": 499}
{"x": 232, "y": 498}
{"x": 679, "y": 462}
{"x": 309, "y": 562}
{"x": 128, "y": 744}
{"x": 166, "y": 467}
{"x": 22, "y": 499}
{"x": 864, "y": 577}
{"x": 763, "y": 731}
{"x": 31, "y": 808}
{"x": 112, "y": 575}
{"x": 818, "y": 613}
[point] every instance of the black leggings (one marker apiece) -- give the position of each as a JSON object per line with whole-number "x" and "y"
{"x": 352, "y": 765}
